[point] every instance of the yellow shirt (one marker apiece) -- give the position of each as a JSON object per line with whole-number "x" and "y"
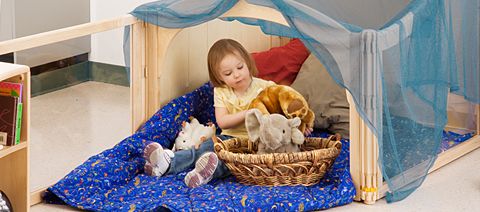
{"x": 225, "y": 97}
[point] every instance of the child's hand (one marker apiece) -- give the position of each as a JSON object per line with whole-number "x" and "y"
{"x": 308, "y": 131}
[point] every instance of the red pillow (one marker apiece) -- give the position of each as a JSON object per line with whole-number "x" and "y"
{"x": 281, "y": 64}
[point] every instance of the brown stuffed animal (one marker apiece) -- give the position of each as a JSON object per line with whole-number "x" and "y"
{"x": 286, "y": 101}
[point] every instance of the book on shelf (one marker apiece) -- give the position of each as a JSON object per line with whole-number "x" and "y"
{"x": 8, "y": 118}
{"x": 14, "y": 89}
{"x": 3, "y": 139}
{"x": 18, "y": 123}
{"x": 11, "y": 89}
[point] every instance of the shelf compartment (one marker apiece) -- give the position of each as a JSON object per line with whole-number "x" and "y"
{"x": 7, "y": 150}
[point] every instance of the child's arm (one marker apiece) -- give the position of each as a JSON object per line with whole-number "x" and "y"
{"x": 226, "y": 121}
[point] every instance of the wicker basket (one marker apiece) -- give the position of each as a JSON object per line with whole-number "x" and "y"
{"x": 278, "y": 169}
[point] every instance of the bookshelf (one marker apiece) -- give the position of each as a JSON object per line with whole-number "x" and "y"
{"x": 14, "y": 160}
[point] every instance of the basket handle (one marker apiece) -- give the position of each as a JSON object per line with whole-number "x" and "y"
{"x": 218, "y": 144}
{"x": 249, "y": 144}
{"x": 335, "y": 141}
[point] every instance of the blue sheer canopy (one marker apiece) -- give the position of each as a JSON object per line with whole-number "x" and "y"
{"x": 398, "y": 59}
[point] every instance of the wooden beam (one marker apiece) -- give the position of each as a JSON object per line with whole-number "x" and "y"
{"x": 36, "y": 197}
{"x": 246, "y": 10}
{"x": 67, "y": 33}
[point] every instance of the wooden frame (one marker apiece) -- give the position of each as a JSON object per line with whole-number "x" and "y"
{"x": 137, "y": 76}
{"x": 365, "y": 171}
{"x": 364, "y": 167}
{"x": 14, "y": 160}
{"x": 160, "y": 39}
{"x": 149, "y": 46}
{"x": 144, "y": 85}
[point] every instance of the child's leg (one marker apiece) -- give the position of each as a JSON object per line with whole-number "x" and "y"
{"x": 185, "y": 159}
{"x": 160, "y": 162}
{"x": 207, "y": 167}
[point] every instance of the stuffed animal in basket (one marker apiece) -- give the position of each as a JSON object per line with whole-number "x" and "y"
{"x": 273, "y": 132}
{"x": 193, "y": 134}
{"x": 286, "y": 101}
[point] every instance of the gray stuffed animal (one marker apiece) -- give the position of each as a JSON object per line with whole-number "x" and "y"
{"x": 273, "y": 132}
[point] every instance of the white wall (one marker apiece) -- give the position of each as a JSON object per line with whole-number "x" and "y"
{"x": 107, "y": 47}
{"x": 6, "y": 20}
{"x": 32, "y": 17}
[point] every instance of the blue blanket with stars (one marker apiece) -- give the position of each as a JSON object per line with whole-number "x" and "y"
{"x": 114, "y": 180}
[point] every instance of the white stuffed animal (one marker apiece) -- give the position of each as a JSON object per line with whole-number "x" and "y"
{"x": 193, "y": 134}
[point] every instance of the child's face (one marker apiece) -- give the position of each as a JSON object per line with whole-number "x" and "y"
{"x": 234, "y": 72}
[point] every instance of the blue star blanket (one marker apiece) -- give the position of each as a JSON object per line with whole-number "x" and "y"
{"x": 114, "y": 179}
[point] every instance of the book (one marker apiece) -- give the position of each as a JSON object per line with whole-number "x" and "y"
{"x": 8, "y": 117}
{"x": 3, "y": 139}
{"x": 11, "y": 89}
{"x": 14, "y": 89}
{"x": 18, "y": 123}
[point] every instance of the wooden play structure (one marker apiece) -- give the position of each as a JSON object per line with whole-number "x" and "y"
{"x": 166, "y": 63}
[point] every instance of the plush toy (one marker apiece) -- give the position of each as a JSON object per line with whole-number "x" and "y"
{"x": 273, "y": 132}
{"x": 284, "y": 100}
{"x": 5, "y": 204}
{"x": 193, "y": 134}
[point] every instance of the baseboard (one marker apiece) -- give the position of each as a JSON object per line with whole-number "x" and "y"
{"x": 8, "y": 58}
{"x": 48, "y": 78}
{"x": 107, "y": 73}
{"x": 60, "y": 78}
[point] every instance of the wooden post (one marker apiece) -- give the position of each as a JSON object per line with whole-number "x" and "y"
{"x": 157, "y": 42}
{"x": 366, "y": 174}
{"x": 478, "y": 119}
{"x": 137, "y": 75}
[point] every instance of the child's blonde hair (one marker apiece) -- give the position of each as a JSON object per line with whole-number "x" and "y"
{"x": 218, "y": 51}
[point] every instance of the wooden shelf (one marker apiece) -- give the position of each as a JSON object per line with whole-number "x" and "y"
{"x": 11, "y": 149}
{"x": 14, "y": 160}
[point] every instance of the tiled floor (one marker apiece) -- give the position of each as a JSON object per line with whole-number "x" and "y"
{"x": 72, "y": 124}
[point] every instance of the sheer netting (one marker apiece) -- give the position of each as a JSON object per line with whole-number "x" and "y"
{"x": 398, "y": 60}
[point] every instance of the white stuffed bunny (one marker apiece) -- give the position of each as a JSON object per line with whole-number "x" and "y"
{"x": 193, "y": 134}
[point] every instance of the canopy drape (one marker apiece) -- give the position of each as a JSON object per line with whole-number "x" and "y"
{"x": 398, "y": 59}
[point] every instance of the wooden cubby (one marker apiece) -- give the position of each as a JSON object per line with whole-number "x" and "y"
{"x": 14, "y": 160}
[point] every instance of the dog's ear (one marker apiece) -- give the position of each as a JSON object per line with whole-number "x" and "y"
{"x": 294, "y": 106}
{"x": 253, "y": 118}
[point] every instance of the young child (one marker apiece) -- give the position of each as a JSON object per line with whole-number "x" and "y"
{"x": 231, "y": 70}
